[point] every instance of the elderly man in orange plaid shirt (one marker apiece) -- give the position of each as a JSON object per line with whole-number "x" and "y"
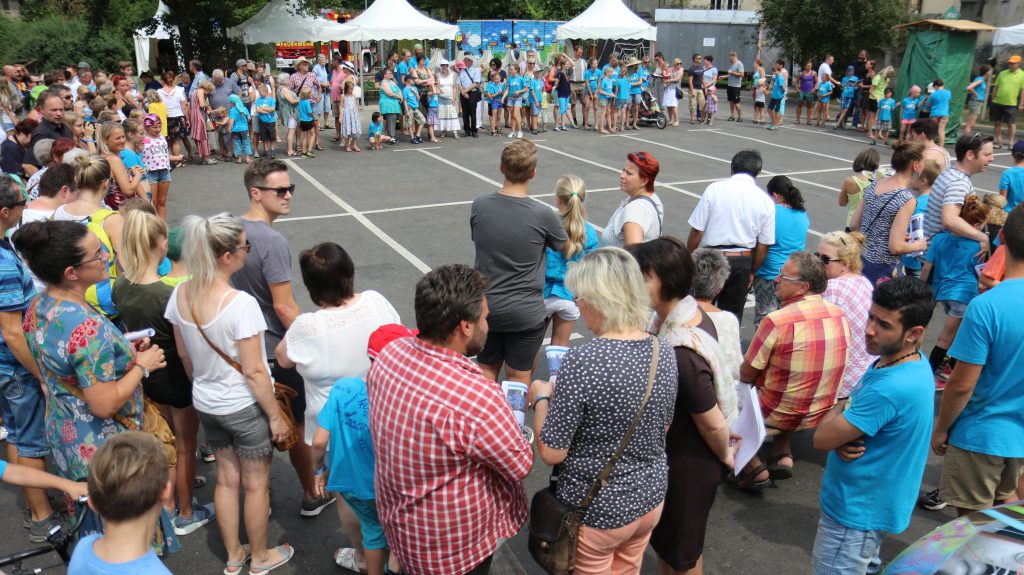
{"x": 796, "y": 361}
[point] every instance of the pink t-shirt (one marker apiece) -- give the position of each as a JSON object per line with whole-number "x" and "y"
{"x": 155, "y": 154}
{"x": 337, "y": 79}
{"x": 853, "y": 296}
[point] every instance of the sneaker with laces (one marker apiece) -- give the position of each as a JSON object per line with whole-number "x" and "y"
{"x": 313, "y": 507}
{"x": 206, "y": 452}
{"x": 201, "y": 515}
{"x": 930, "y": 501}
{"x": 39, "y": 530}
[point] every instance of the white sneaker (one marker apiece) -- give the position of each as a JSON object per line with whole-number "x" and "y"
{"x": 3, "y": 433}
{"x": 520, "y": 135}
{"x": 511, "y": 134}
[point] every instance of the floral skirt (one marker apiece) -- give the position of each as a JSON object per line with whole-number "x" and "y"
{"x": 177, "y": 128}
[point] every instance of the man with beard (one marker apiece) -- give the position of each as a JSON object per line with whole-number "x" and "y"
{"x": 448, "y": 449}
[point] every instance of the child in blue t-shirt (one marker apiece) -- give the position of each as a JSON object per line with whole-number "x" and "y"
{"x": 413, "y": 116}
{"x": 266, "y": 111}
{"x": 908, "y": 114}
{"x": 606, "y": 102}
{"x": 536, "y": 100}
{"x": 885, "y": 108}
{"x": 592, "y": 79}
{"x": 131, "y": 156}
{"x": 824, "y": 97}
{"x": 621, "y": 112}
{"x": 496, "y": 91}
{"x": 937, "y": 105}
{"x": 433, "y": 109}
{"x": 343, "y": 455}
{"x": 238, "y": 122}
{"x": 1011, "y": 184}
{"x": 517, "y": 89}
{"x": 306, "y": 123}
{"x": 951, "y": 262}
{"x": 376, "y": 132}
{"x": 846, "y": 100}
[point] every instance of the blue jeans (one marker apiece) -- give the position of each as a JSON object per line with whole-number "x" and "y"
{"x": 25, "y": 413}
{"x": 241, "y": 143}
{"x": 840, "y": 550}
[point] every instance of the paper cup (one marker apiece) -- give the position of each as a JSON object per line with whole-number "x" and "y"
{"x": 554, "y": 355}
{"x": 515, "y": 393}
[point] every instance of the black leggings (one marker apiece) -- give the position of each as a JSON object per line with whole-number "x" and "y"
{"x": 389, "y": 124}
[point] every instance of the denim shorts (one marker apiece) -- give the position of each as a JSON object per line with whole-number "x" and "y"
{"x": 954, "y": 308}
{"x": 246, "y": 431}
{"x": 369, "y": 523}
{"x": 157, "y": 176}
{"x": 637, "y": 99}
{"x": 509, "y": 102}
{"x": 25, "y": 413}
{"x": 535, "y": 109}
{"x": 621, "y": 104}
{"x": 839, "y": 549}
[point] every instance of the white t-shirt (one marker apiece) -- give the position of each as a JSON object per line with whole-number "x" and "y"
{"x": 330, "y": 344}
{"x": 639, "y": 211}
{"x": 824, "y": 69}
{"x": 173, "y": 101}
{"x": 735, "y": 212}
{"x": 218, "y": 388}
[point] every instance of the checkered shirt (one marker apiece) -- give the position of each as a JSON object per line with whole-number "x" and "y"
{"x": 450, "y": 458}
{"x": 801, "y": 351}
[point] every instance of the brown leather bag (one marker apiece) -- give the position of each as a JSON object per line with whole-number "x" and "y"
{"x": 282, "y": 393}
{"x": 555, "y": 526}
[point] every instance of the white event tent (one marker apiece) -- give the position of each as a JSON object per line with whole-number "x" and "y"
{"x": 145, "y": 40}
{"x": 394, "y": 20}
{"x": 607, "y": 20}
{"x": 1012, "y": 35}
{"x": 284, "y": 21}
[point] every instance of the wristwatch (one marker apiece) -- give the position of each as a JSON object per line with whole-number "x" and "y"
{"x": 145, "y": 372}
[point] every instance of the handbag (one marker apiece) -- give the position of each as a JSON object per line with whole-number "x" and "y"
{"x": 555, "y": 526}
{"x": 282, "y": 394}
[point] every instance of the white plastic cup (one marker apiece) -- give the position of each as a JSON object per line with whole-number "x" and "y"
{"x": 554, "y": 355}
{"x": 515, "y": 392}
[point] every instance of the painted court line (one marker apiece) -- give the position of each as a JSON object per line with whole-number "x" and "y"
{"x": 418, "y": 149}
{"x": 767, "y": 143}
{"x": 383, "y": 236}
{"x": 861, "y": 141}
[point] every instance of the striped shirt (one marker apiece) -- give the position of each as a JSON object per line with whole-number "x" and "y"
{"x": 450, "y": 458}
{"x": 951, "y": 187}
{"x": 801, "y": 351}
{"x": 16, "y": 293}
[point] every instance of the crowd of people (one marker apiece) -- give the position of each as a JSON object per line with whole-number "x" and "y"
{"x": 122, "y": 337}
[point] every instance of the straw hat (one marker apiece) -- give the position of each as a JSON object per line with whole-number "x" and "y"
{"x": 632, "y": 62}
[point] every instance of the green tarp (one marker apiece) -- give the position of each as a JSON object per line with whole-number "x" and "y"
{"x": 935, "y": 54}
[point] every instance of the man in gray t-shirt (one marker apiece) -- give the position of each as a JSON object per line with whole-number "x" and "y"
{"x": 510, "y": 232}
{"x": 733, "y": 90}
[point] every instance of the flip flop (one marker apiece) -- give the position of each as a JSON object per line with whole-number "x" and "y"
{"x": 286, "y": 551}
{"x": 235, "y": 567}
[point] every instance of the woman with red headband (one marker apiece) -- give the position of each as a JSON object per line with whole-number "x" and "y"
{"x": 640, "y": 215}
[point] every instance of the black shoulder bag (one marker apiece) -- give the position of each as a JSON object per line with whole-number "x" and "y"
{"x": 555, "y": 526}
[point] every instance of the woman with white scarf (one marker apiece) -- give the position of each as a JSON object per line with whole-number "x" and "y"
{"x": 698, "y": 441}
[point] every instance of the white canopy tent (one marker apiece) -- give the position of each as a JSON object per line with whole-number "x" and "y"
{"x": 283, "y": 21}
{"x": 1012, "y": 35}
{"x": 145, "y": 41}
{"x": 607, "y": 20}
{"x": 394, "y": 20}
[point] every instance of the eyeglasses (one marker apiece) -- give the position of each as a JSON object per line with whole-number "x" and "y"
{"x": 244, "y": 248}
{"x": 22, "y": 202}
{"x": 279, "y": 191}
{"x": 825, "y": 260}
{"x": 788, "y": 278}
{"x": 90, "y": 260}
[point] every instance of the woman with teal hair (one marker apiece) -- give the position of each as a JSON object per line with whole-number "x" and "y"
{"x": 239, "y": 127}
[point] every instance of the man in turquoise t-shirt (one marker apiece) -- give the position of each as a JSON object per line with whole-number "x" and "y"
{"x": 981, "y": 421}
{"x": 1007, "y": 99}
{"x": 877, "y": 438}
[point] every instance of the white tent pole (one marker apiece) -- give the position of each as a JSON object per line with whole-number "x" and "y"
{"x": 359, "y": 69}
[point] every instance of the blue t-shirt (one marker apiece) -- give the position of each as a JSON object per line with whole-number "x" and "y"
{"x": 849, "y": 85}
{"x": 16, "y": 293}
{"x": 401, "y": 71}
{"x": 350, "y": 453}
{"x": 411, "y": 96}
{"x": 615, "y": 71}
{"x": 992, "y": 422}
{"x": 894, "y": 407}
{"x": 623, "y": 84}
{"x": 1013, "y": 182}
{"x": 779, "y": 82}
{"x": 85, "y": 562}
{"x": 910, "y": 108}
{"x": 885, "y": 109}
{"x": 790, "y": 236}
{"x": 432, "y": 101}
{"x": 607, "y": 88}
{"x": 242, "y": 120}
{"x": 268, "y": 102}
{"x": 376, "y": 128}
{"x": 645, "y": 74}
{"x": 593, "y": 79}
{"x": 636, "y": 80}
{"x": 494, "y": 90}
{"x": 3, "y": 468}
{"x": 536, "y": 91}
{"x": 980, "y": 88}
{"x": 131, "y": 158}
{"x": 938, "y": 102}
{"x": 305, "y": 111}
{"x": 953, "y": 260}
{"x": 824, "y": 89}
{"x": 914, "y": 262}
{"x": 556, "y": 266}
{"x": 515, "y": 84}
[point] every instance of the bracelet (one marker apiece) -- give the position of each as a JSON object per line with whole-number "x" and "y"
{"x": 537, "y": 400}
{"x": 321, "y": 470}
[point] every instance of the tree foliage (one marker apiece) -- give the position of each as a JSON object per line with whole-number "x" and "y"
{"x": 812, "y": 28}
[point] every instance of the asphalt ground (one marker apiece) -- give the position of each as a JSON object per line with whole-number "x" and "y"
{"x": 405, "y": 209}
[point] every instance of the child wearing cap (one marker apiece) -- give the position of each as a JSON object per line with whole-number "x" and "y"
{"x": 343, "y": 454}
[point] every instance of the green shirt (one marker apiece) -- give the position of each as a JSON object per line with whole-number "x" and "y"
{"x": 878, "y": 85}
{"x": 1008, "y": 87}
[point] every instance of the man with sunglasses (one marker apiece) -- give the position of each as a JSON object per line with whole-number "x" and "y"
{"x": 796, "y": 359}
{"x": 267, "y": 276}
{"x": 24, "y": 410}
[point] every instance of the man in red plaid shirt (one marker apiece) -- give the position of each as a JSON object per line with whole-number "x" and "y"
{"x": 450, "y": 456}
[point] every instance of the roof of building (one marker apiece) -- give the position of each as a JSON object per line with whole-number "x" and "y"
{"x": 706, "y": 16}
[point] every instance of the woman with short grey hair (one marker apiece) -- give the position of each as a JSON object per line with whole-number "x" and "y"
{"x": 711, "y": 271}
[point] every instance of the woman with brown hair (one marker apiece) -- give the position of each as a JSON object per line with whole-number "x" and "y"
{"x": 173, "y": 97}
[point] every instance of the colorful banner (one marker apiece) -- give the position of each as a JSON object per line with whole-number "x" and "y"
{"x": 478, "y": 36}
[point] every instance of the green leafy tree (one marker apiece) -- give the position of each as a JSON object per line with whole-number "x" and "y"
{"x": 812, "y": 28}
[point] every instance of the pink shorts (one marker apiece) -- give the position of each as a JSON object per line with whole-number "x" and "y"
{"x": 906, "y": 122}
{"x": 606, "y": 551}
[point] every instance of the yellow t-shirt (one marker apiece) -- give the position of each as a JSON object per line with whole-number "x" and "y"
{"x": 159, "y": 109}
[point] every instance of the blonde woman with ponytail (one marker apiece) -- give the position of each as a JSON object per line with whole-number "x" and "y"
{"x": 141, "y": 299}
{"x": 236, "y": 408}
{"x": 570, "y": 191}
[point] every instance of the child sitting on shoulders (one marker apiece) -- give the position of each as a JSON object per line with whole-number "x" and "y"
{"x": 128, "y": 479}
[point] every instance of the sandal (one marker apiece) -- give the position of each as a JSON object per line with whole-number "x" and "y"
{"x": 335, "y": 139}
{"x": 286, "y": 551}
{"x": 745, "y": 481}
{"x": 210, "y": 162}
{"x": 777, "y": 471}
{"x": 235, "y": 567}
{"x": 345, "y": 557}
{"x": 319, "y": 147}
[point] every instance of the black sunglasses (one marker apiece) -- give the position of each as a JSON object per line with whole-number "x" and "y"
{"x": 244, "y": 248}
{"x": 279, "y": 191}
{"x": 825, "y": 260}
{"x": 16, "y": 204}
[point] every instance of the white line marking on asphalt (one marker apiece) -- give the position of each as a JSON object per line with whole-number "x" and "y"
{"x": 820, "y": 133}
{"x": 415, "y": 261}
{"x": 767, "y": 143}
{"x": 418, "y": 149}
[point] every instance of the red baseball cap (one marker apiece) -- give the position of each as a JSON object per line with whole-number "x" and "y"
{"x": 386, "y": 334}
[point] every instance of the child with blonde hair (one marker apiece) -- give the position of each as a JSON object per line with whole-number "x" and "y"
{"x": 351, "y": 128}
{"x": 759, "y": 98}
{"x": 570, "y": 192}
{"x": 156, "y": 106}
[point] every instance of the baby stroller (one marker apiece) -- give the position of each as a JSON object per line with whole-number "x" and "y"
{"x": 649, "y": 113}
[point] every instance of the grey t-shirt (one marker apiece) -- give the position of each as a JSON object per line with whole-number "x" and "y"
{"x": 736, "y": 81}
{"x": 269, "y": 262}
{"x": 510, "y": 235}
{"x": 219, "y": 95}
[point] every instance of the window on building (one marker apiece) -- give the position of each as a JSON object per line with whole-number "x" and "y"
{"x": 724, "y": 5}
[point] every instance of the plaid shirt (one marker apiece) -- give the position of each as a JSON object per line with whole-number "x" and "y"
{"x": 801, "y": 351}
{"x": 450, "y": 458}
